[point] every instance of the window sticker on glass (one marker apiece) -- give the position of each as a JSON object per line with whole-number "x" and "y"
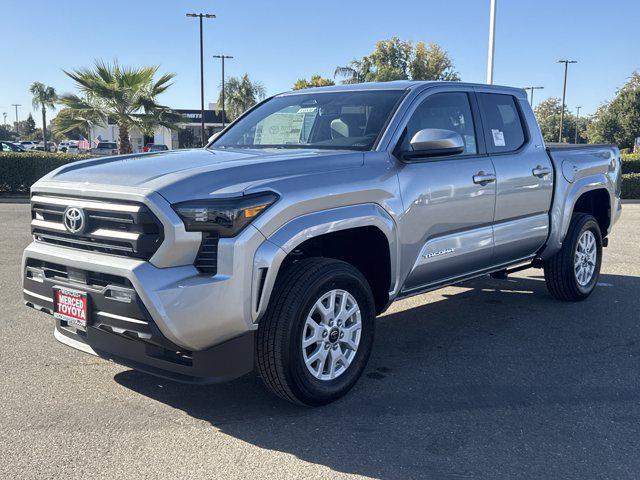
{"x": 470, "y": 144}
{"x": 279, "y": 129}
{"x": 498, "y": 137}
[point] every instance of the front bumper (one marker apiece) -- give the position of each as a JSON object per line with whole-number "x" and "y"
{"x": 191, "y": 310}
{"x": 120, "y": 326}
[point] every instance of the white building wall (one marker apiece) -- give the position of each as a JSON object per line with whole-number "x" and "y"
{"x": 163, "y": 136}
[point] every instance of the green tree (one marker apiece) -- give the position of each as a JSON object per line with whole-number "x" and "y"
{"x": 44, "y": 97}
{"x": 27, "y": 128}
{"x": 124, "y": 95}
{"x": 241, "y": 94}
{"x": 618, "y": 121}
{"x": 548, "y": 115}
{"x": 314, "y": 81}
{"x": 6, "y": 133}
{"x": 432, "y": 63}
{"x": 395, "y": 59}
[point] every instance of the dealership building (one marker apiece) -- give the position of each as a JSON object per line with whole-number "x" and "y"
{"x": 187, "y": 134}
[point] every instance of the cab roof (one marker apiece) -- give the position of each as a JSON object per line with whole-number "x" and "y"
{"x": 399, "y": 85}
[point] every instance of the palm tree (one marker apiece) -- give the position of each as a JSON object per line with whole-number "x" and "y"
{"x": 123, "y": 95}
{"x": 357, "y": 71}
{"x": 241, "y": 94}
{"x": 43, "y": 97}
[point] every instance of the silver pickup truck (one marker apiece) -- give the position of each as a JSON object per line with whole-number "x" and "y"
{"x": 276, "y": 246}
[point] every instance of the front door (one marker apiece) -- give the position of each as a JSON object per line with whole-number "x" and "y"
{"x": 449, "y": 201}
{"x": 524, "y": 177}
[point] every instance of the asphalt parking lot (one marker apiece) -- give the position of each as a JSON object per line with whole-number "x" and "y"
{"x": 490, "y": 379}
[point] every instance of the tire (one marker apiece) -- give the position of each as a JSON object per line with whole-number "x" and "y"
{"x": 280, "y": 355}
{"x": 564, "y": 280}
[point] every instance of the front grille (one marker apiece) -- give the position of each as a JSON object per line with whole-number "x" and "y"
{"x": 117, "y": 228}
{"x": 94, "y": 280}
{"x": 207, "y": 258}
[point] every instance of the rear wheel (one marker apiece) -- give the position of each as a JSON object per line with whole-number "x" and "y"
{"x": 316, "y": 336}
{"x": 572, "y": 273}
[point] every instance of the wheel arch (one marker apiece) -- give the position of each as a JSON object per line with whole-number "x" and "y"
{"x": 593, "y": 194}
{"x": 326, "y": 232}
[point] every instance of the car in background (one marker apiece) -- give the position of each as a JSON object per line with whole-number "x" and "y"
{"x": 105, "y": 149}
{"x": 28, "y": 144}
{"x": 155, "y": 147}
{"x": 51, "y": 147}
{"x": 11, "y": 147}
{"x": 68, "y": 146}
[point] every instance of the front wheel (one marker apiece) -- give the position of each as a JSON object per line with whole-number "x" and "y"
{"x": 315, "y": 338}
{"x": 572, "y": 273}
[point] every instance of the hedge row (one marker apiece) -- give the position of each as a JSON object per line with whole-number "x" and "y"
{"x": 18, "y": 171}
{"x": 631, "y": 163}
{"x": 631, "y": 186}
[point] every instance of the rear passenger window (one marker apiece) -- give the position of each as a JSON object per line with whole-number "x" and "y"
{"x": 502, "y": 124}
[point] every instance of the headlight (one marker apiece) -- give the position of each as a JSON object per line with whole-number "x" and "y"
{"x": 225, "y": 216}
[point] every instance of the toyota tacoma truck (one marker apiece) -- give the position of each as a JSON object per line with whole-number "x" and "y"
{"x": 276, "y": 246}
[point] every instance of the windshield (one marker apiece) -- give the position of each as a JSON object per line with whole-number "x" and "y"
{"x": 332, "y": 120}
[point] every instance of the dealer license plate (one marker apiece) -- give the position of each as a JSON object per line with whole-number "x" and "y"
{"x": 70, "y": 306}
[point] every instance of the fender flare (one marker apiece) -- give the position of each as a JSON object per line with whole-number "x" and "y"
{"x": 564, "y": 202}
{"x": 271, "y": 253}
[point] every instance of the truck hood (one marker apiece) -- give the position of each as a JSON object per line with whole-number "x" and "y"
{"x": 180, "y": 175}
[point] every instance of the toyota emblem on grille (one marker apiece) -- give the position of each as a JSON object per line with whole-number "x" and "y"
{"x": 74, "y": 220}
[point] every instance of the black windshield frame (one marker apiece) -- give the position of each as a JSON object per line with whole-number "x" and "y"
{"x": 253, "y": 116}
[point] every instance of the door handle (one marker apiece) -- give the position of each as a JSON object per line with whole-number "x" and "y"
{"x": 541, "y": 171}
{"x": 483, "y": 178}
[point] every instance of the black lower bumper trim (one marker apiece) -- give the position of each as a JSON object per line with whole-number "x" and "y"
{"x": 220, "y": 363}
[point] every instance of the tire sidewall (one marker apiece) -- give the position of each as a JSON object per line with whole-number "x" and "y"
{"x": 309, "y": 389}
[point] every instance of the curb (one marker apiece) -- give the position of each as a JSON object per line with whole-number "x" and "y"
{"x": 630, "y": 200}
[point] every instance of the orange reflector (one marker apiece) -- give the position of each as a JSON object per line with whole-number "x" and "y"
{"x": 253, "y": 211}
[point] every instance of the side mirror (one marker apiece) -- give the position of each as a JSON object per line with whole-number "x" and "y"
{"x": 435, "y": 142}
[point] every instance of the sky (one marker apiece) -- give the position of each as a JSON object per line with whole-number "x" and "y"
{"x": 277, "y": 42}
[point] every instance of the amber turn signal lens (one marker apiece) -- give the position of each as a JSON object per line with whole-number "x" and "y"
{"x": 253, "y": 211}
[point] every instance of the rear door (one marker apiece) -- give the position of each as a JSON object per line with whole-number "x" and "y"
{"x": 446, "y": 227}
{"x": 524, "y": 176}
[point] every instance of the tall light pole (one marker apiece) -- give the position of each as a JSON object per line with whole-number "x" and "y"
{"x": 531, "y": 89}
{"x": 577, "y": 120}
{"x": 17, "y": 124}
{"x": 201, "y": 16}
{"x": 492, "y": 37}
{"x": 564, "y": 94}
{"x": 222, "y": 57}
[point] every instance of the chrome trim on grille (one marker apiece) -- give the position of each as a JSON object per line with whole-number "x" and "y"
{"x": 48, "y": 225}
{"x": 92, "y": 204}
{"x": 105, "y": 233}
{"x": 131, "y": 230}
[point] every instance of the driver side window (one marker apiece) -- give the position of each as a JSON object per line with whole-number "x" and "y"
{"x": 448, "y": 111}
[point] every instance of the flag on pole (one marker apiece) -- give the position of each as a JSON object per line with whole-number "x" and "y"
{"x": 83, "y": 144}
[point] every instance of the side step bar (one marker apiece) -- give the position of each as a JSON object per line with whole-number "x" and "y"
{"x": 504, "y": 273}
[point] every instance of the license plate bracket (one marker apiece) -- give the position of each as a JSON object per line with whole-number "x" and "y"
{"x": 71, "y": 306}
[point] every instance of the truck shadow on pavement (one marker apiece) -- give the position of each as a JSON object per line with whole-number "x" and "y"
{"x": 475, "y": 378}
